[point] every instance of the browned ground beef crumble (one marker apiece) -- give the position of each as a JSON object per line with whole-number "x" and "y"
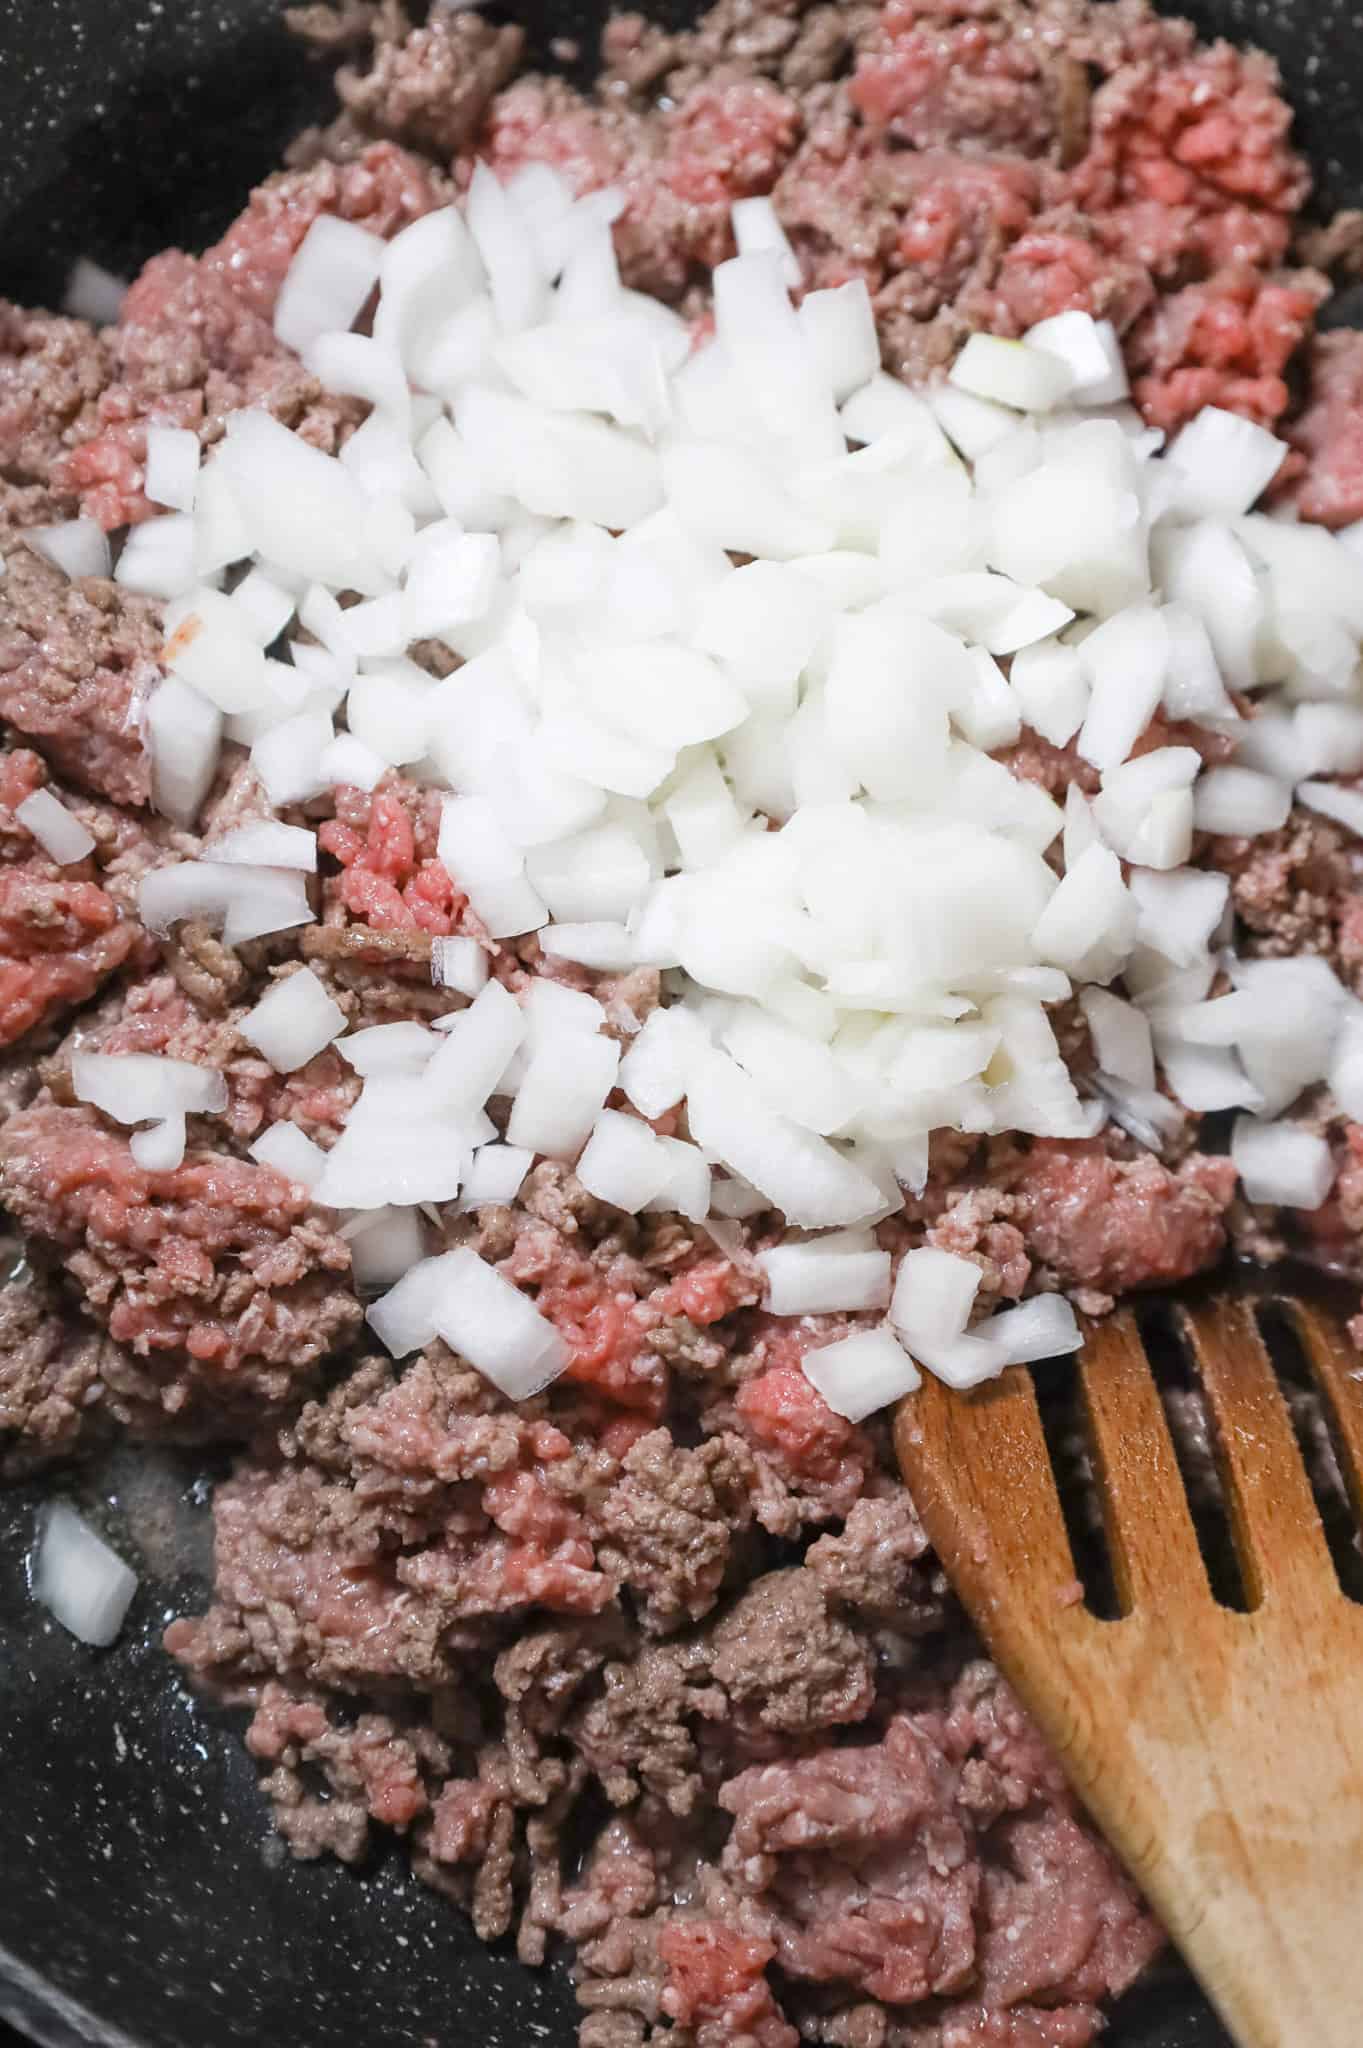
{"x": 674, "y": 1589}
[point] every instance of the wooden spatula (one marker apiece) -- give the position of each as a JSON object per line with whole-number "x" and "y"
{"x": 1220, "y": 1752}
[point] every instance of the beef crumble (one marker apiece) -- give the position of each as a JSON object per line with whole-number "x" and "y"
{"x": 675, "y": 1587}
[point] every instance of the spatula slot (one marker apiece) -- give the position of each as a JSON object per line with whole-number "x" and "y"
{"x": 1192, "y": 1431}
{"x": 1061, "y": 1409}
{"x": 1324, "y": 1452}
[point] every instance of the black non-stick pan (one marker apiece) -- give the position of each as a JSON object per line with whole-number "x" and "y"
{"x": 143, "y": 1901}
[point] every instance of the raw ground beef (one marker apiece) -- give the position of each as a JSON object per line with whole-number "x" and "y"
{"x": 658, "y": 1661}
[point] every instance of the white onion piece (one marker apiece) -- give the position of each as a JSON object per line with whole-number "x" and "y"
{"x": 496, "y": 1175}
{"x": 1281, "y": 1163}
{"x": 1125, "y": 662}
{"x": 459, "y": 963}
{"x": 1089, "y": 350}
{"x": 1089, "y": 925}
{"x": 141, "y": 1087}
{"x": 838, "y": 327}
{"x": 861, "y": 1373}
{"x": 171, "y": 474}
{"x": 388, "y": 1048}
{"x": 1179, "y": 912}
{"x": 1121, "y": 1037}
{"x": 478, "y": 1045}
{"x": 1231, "y": 800}
{"x": 332, "y": 274}
{"x": 293, "y": 1022}
{"x": 1051, "y": 689}
{"x": 301, "y": 510}
{"x": 1204, "y": 567}
{"x": 78, "y": 547}
{"x": 1222, "y": 464}
{"x": 1044, "y": 1327}
{"x": 288, "y": 758}
{"x": 385, "y": 1245}
{"x": 404, "y": 1319}
{"x": 346, "y": 762}
{"x": 481, "y": 859}
{"x": 266, "y": 843}
{"x": 160, "y": 1147}
{"x": 609, "y": 948}
{"x": 268, "y": 605}
{"x": 210, "y": 645}
{"x": 563, "y": 1092}
{"x": 60, "y": 835}
{"x": 1010, "y": 373}
{"x": 687, "y": 1183}
{"x": 158, "y": 558}
{"x": 934, "y": 1292}
{"x": 1345, "y": 806}
{"x": 624, "y": 1162}
{"x": 493, "y": 1325}
{"x": 83, "y": 1583}
{"x": 805, "y": 1280}
{"x": 93, "y": 293}
{"x": 290, "y": 1152}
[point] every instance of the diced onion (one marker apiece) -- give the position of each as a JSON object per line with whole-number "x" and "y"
{"x": 293, "y": 1022}
{"x": 52, "y": 825}
{"x": 861, "y": 1373}
{"x": 83, "y": 1583}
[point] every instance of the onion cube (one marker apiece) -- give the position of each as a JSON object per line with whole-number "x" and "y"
{"x": 60, "y": 835}
{"x": 860, "y": 1374}
{"x": 479, "y": 856}
{"x": 1010, "y": 373}
{"x": 562, "y": 1094}
{"x": 404, "y": 1319}
{"x": 293, "y": 1022}
{"x": 688, "y": 1183}
{"x": 267, "y": 844}
{"x": 1089, "y": 925}
{"x": 1239, "y": 802}
{"x": 290, "y": 1152}
{"x": 460, "y": 963}
{"x": 386, "y": 1245}
{"x": 1044, "y": 1327}
{"x": 805, "y": 1280}
{"x": 1282, "y": 1164}
{"x": 83, "y": 1583}
{"x": 495, "y": 1175}
{"x": 934, "y": 1292}
{"x": 160, "y": 1148}
{"x": 799, "y": 1173}
{"x": 623, "y": 1163}
{"x": 210, "y": 645}
{"x": 335, "y": 269}
{"x": 479, "y": 1044}
{"x": 493, "y": 1325}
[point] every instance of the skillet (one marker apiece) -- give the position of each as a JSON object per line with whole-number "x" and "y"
{"x": 143, "y": 1901}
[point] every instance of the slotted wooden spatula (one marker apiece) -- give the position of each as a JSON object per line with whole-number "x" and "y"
{"x": 1221, "y": 1752}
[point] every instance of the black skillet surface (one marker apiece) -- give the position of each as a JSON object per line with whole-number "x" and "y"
{"x": 143, "y": 1903}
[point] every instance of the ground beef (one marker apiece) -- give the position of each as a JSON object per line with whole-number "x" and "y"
{"x": 62, "y": 932}
{"x": 76, "y": 662}
{"x": 1328, "y": 432}
{"x": 218, "y": 1259}
{"x": 1106, "y": 1226}
{"x": 52, "y": 372}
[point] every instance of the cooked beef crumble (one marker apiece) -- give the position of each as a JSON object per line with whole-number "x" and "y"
{"x": 675, "y": 1587}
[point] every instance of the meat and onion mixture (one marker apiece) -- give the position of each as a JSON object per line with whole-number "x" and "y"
{"x": 670, "y": 755}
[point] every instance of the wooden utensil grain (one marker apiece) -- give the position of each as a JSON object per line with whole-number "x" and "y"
{"x": 1221, "y": 1752}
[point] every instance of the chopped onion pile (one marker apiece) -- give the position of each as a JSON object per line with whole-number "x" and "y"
{"x": 82, "y": 1583}
{"x": 773, "y": 781}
